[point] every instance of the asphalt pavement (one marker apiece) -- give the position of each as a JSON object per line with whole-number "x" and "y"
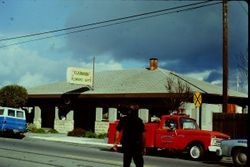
{"x": 95, "y": 142}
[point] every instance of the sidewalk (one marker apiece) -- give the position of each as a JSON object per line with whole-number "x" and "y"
{"x": 69, "y": 139}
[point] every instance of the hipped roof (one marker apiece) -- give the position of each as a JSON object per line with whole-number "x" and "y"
{"x": 135, "y": 81}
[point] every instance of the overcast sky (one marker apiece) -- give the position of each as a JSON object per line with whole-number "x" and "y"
{"x": 188, "y": 42}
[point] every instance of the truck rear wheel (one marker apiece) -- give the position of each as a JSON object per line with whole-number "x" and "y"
{"x": 196, "y": 152}
{"x": 151, "y": 151}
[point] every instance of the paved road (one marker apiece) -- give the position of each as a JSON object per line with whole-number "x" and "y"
{"x": 32, "y": 152}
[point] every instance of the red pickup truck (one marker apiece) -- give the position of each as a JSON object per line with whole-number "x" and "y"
{"x": 178, "y": 133}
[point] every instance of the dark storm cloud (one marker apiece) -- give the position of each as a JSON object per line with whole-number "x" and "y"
{"x": 213, "y": 76}
{"x": 192, "y": 40}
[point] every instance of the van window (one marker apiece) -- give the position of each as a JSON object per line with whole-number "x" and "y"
{"x": 11, "y": 113}
{"x": 1, "y": 111}
{"x": 19, "y": 114}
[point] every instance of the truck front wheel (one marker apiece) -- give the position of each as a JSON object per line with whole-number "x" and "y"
{"x": 196, "y": 152}
{"x": 240, "y": 157}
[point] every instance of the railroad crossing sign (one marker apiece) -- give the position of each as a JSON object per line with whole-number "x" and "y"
{"x": 197, "y": 99}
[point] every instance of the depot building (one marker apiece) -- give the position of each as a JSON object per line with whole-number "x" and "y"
{"x": 91, "y": 103}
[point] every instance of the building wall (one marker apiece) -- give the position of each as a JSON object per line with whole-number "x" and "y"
{"x": 207, "y": 111}
{"x": 89, "y": 117}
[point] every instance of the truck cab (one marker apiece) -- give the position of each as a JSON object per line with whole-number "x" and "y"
{"x": 181, "y": 133}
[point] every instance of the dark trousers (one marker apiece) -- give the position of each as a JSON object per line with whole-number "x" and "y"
{"x": 137, "y": 157}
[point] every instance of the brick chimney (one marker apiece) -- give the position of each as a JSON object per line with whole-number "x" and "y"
{"x": 153, "y": 63}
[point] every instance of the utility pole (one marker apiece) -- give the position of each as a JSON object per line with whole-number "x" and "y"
{"x": 225, "y": 56}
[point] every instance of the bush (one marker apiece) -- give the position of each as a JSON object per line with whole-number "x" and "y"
{"x": 31, "y": 127}
{"x": 79, "y": 132}
{"x": 40, "y": 130}
{"x": 102, "y": 135}
{"x": 90, "y": 134}
{"x": 52, "y": 131}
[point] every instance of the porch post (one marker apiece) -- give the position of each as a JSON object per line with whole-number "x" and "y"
{"x": 98, "y": 116}
{"x": 37, "y": 117}
{"x": 144, "y": 114}
{"x": 112, "y": 114}
{"x": 64, "y": 126}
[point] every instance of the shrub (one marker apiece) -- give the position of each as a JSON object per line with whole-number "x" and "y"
{"x": 31, "y": 127}
{"x": 90, "y": 134}
{"x": 102, "y": 135}
{"x": 79, "y": 132}
{"x": 52, "y": 131}
{"x": 40, "y": 130}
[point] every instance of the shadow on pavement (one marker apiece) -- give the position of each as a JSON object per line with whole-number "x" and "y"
{"x": 12, "y": 136}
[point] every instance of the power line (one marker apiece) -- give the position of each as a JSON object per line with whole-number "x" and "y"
{"x": 101, "y": 22}
{"x": 100, "y": 26}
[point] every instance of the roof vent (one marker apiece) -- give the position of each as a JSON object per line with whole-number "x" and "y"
{"x": 153, "y": 63}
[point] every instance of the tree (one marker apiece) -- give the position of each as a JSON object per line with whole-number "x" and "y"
{"x": 179, "y": 92}
{"x": 242, "y": 67}
{"x": 13, "y": 96}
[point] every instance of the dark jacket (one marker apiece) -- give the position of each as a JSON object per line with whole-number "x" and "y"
{"x": 132, "y": 129}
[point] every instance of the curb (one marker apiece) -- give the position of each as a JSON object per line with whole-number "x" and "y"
{"x": 70, "y": 139}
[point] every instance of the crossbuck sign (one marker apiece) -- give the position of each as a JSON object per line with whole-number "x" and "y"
{"x": 197, "y": 99}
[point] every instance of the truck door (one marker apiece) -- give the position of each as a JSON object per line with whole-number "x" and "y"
{"x": 166, "y": 136}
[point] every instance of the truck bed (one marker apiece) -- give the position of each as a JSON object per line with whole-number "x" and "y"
{"x": 150, "y": 129}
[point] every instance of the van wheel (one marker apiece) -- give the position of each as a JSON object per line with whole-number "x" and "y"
{"x": 240, "y": 157}
{"x": 196, "y": 152}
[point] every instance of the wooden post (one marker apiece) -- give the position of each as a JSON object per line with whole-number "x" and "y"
{"x": 225, "y": 57}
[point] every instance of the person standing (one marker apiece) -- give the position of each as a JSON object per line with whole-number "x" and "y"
{"x": 133, "y": 137}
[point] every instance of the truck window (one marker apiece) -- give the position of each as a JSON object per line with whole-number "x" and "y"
{"x": 11, "y": 113}
{"x": 1, "y": 111}
{"x": 187, "y": 123}
{"x": 170, "y": 124}
{"x": 20, "y": 114}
